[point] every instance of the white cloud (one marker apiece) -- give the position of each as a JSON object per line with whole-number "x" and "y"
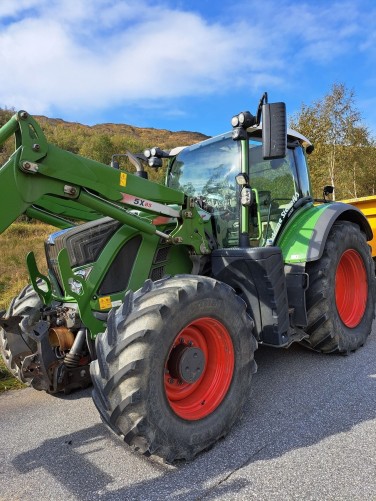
{"x": 74, "y": 59}
{"x": 71, "y": 54}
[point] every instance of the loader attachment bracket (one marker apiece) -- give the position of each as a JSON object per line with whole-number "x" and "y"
{"x": 192, "y": 231}
{"x": 37, "y": 279}
{"x": 33, "y": 141}
{"x": 77, "y": 288}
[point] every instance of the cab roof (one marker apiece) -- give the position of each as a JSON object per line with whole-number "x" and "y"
{"x": 255, "y": 132}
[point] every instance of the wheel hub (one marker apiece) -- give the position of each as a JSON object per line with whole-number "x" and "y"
{"x": 199, "y": 368}
{"x": 187, "y": 363}
{"x": 351, "y": 288}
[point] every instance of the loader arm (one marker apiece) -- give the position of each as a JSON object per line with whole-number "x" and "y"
{"x": 60, "y": 212}
{"x": 49, "y": 183}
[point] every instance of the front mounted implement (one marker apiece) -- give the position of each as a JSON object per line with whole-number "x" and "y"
{"x": 84, "y": 281}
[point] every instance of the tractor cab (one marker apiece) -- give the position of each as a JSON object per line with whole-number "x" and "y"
{"x": 207, "y": 171}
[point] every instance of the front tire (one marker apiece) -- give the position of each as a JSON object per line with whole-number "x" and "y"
{"x": 174, "y": 366}
{"x": 26, "y": 304}
{"x": 340, "y": 297}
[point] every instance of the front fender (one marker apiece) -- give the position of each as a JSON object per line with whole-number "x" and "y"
{"x": 304, "y": 236}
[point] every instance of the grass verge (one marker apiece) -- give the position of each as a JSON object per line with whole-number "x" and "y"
{"x": 7, "y": 381}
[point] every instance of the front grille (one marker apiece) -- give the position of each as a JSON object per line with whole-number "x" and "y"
{"x": 84, "y": 243}
{"x": 161, "y": 255}
{"x": 157, "y": 273}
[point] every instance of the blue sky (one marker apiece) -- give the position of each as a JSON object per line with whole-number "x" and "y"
{"x": 182, "y": 65}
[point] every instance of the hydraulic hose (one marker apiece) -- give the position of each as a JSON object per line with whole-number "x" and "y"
{"x": 72, "y": 359}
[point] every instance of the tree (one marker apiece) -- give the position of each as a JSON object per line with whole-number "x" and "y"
{"x": 344, "y": 150}
{"x": 99, "y": 148}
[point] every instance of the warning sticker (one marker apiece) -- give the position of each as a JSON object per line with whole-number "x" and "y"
{"x": 105, "y": 303}
{"x": 123, "y": 179}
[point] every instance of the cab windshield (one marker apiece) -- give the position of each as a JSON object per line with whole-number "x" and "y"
{"x": 207, "y": 172}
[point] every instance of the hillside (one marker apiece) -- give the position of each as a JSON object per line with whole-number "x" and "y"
{"x": 162, "y": 137}
{"x": 101, "y": 141}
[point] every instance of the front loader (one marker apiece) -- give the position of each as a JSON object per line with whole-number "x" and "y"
{"x": 162, "y": 301}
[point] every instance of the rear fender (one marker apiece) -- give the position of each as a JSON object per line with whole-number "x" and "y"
{"x": 303, "y": 238}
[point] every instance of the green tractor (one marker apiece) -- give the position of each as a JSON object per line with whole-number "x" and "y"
{"x": 163, "y": 296}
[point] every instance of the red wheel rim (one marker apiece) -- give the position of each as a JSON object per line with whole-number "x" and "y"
{"x": 351, "y": 288}
{"x": 196, "y": 400}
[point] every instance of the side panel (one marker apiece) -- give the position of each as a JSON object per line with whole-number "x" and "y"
{"x": 303, "y": 238}
{"x": 151, "y": 260}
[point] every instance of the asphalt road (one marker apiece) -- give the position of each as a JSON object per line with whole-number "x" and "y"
{"x": 308, "y": 433}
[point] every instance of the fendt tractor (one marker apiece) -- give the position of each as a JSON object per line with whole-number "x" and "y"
{"x": 162, "y": 295}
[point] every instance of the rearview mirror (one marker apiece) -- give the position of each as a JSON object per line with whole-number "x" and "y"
{"x": 274, "y": 131}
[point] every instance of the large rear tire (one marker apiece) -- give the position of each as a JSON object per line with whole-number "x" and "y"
{"x": 340, "y": 297}
{"x": 26, "y": 304}
{"x": 174, "y": 366}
